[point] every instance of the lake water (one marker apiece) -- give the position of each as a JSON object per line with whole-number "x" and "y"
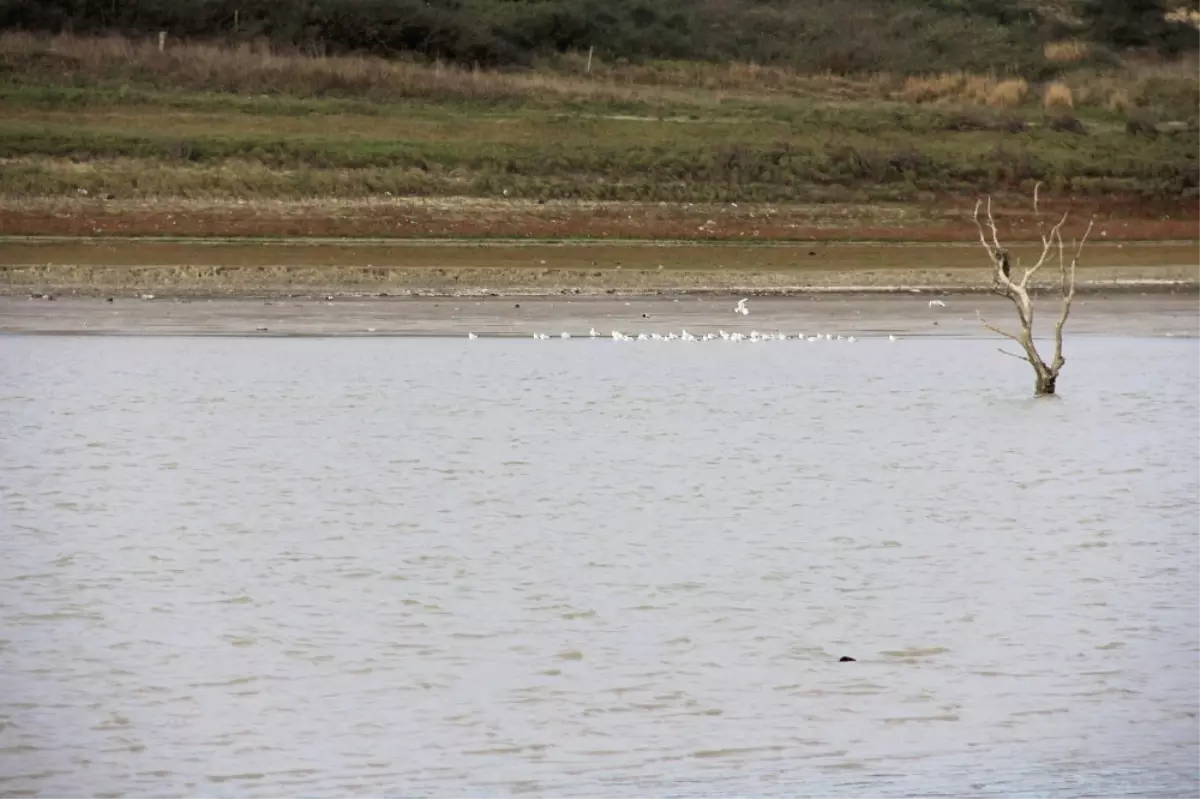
{"x": 441, "y": 567}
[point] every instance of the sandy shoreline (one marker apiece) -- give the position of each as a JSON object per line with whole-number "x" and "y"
{"x": 847, "y": 314}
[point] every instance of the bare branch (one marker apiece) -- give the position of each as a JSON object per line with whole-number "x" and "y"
{"x": 1068, "y": 283}
{"x": 1061, "y": 268}
{"x": 1000, "y": 263}
{"x": 1078, "y": 250}
{"x": 992, "y": 224}
{"x": 1036, "y": 186}
{"x": 979, "y": 227}
{"x": 1047, "y": 243}
{"x": 1003, "y": 351}
{"x": 997, "y": 330}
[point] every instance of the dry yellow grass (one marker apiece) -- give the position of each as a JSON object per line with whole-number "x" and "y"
{"x": 1057, "y": 97}
{"x": 1139, "y": 83}
{"x": 1008, "y": 93}
{"x": 1118, "y": 100}
{"x": 1065, "y": 52}
{"x": 930, "y": 88}
{"x": 961, "y": 87}
{"x": 1188, "y": 16}
{"x": 253, "y": 67}
{"x": 257, "y": 67}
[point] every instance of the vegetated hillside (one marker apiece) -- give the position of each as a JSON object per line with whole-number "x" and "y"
{"x": 114, "y": 116}
{"x": 842, "y": 36}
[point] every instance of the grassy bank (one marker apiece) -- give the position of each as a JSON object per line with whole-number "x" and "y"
{"x": 114, "y": 117}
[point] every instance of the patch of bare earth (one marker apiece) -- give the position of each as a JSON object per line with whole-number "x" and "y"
{"x": 940, "y": 220}
{"x": 449, "y": 271}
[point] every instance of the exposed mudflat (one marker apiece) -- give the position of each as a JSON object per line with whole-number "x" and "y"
{"x": 848, "y": 314}
{"x": 282, "y": 268}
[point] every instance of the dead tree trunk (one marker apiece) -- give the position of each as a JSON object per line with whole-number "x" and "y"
{"x": 1016, "y": 288}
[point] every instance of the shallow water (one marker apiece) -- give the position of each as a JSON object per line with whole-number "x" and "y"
{"x": 442, "y": 567}
{"x": 1120, "y": 315}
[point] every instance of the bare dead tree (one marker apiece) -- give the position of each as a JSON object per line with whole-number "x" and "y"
{"x": 1016, "y": 288}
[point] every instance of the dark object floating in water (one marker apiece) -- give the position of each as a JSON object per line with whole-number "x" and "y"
{"x": 846, "y": 659}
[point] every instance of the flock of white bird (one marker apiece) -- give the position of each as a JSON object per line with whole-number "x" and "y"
{"x": 740, "y": 309}
{"x": 683, "y": 335}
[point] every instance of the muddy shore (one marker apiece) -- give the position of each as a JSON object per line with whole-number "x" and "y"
{"x": 177, "y": 267}
{"x": 846, "y": 314}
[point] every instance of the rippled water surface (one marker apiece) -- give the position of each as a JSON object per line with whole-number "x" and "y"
{"x": 441, "y": 567}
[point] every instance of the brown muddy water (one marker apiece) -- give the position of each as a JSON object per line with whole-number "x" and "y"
{"x": 324, "y": 566}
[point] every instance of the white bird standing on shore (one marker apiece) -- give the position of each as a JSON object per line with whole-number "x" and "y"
{"x": 741, "y": 307}
{"x": 472, "y": 335}
{"x": 936, "y": 304}
{"x": 565, "y": 335}
{"x": 891, "y": 338}
{"x": 592, "y": 332}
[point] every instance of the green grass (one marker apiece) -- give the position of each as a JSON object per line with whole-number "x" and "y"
{"x": 136, "y": 132}
{"x": 881, "y": 154}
